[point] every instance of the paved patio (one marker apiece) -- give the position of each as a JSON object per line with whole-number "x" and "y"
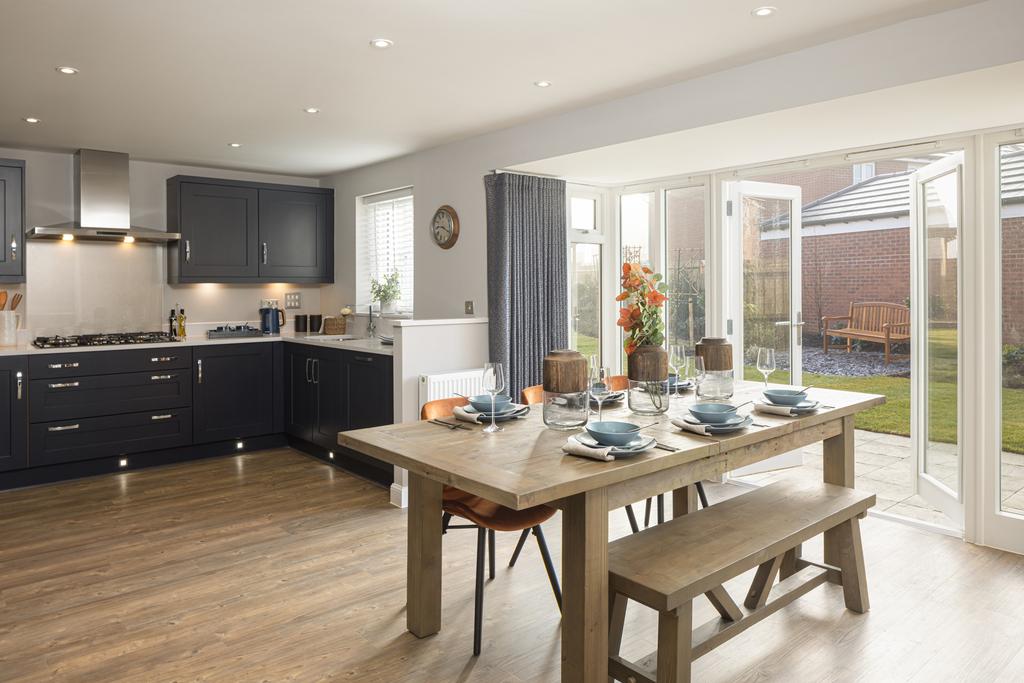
{"x": 885, "y": 469}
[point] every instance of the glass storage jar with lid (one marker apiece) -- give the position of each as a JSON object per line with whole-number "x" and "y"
{"x": 566, "y": 400}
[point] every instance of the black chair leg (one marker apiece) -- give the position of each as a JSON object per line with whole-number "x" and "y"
{"x": 647, "y": 513}
{"x": 519, "y": 547}
{"x": 661, "y": 508}
{"x": 490, "y": 551}
{"x": 548, "y": 565}
{"x": 702, "y": 495}
{"x": 632, "y": 519}
{"x": 446, "y": 519}
{"x": 478, "y": 611}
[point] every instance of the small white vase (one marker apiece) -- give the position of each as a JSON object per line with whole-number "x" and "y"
{"x": 389, "y": 308}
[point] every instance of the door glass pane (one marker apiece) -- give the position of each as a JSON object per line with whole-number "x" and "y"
{"x": 1011, "y": 463}
{"x": 582, "y": 213}
{"x": 585, "y": 298}
{"x": 636, "y": 227}
{"x": 684, "y": 264}
{"x": 941, "y": 222}
{"x": 766, "y": 284}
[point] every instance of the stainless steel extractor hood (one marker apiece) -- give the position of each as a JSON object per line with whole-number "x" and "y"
{"x": 102, "y": 204}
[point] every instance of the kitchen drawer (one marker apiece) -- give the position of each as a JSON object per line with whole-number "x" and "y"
{"x": 46, "y": 365}
{"x": 64, "y": 398}
{"x": 100, "y": 437}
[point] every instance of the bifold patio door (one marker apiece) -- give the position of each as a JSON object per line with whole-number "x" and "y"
{"x": 937, "y": 201}
{"x": 762, "y": 250}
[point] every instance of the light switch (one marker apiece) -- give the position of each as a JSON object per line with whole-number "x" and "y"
{"x": 469, "y": 308}
{"x": 293, "y": 300}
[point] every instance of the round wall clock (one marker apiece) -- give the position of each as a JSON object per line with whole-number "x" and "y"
{"x": 444, "y": 227}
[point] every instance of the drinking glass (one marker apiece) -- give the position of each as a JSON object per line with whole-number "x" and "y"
{"x": 696, "y": 367}
{"x": 677, "y": 364}
{"x": 494, "y": 384}
{"x": 766, "y": 363}
{"x": 599, "y": 385}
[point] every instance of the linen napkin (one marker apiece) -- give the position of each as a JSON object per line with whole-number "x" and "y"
{"x": 461, "y": 413}
{"x": 687, "y": 427}
{"x": 574, "y": 447}
{"x": 772, "y": 409}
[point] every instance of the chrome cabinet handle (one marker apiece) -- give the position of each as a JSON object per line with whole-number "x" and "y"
{"x": 14, "y": 248}
{"x": 18, "y": 375}
{"x": 308, "y": 361}
{"x": 162, "y": 359}
{"x": 156, "y": 378}
{"x": 62, "y": 428}
{"x": 365, "y": 359}
{"x": 188, "y": 251}
{"x": 199, "y": 378}
{"x": 58, "y": 366}
{"x": 265, "y": 250}
{"x": 64, "y": 385}
{"x": 316, "y": 371}
{"x": 168, "y": 416}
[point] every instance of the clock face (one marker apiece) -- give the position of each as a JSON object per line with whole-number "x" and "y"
{"x": 444, "y": 227}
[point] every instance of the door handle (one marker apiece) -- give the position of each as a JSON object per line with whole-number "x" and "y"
{"x": 308, "y": 361}
{"x": 14, "y": 248}
{"x": 188, "y": 251}
{"x": 156, "y": 378}
{"x": 166, "y": 416}
{"x": 59, "y": 366}
{"x": 199, "y": 374}
{"x": 265, "y": 250}
{"x": 162, "y": 359}
{"x": 20, "y": 382}
{"x": 316, "y": 371}
{"x": 62, "y": 428}
{"x": 364, "y": 359}
{"x": 64, "y": 385}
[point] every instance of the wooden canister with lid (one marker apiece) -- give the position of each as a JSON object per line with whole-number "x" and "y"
{"x": 716, "y": 352}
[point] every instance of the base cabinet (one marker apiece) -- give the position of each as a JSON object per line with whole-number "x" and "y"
{"x": 14, "y": 388}
{"x": 232, "y": 391}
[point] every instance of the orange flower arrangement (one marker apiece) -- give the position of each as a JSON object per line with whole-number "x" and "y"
{"x": 643, "y": 297}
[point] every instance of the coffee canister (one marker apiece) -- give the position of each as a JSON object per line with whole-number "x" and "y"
{"x": 718, "y": 382}
{"x": 316, "y": 321}
{"x": 566, "y": 403}
{"x": 301, "y": 322}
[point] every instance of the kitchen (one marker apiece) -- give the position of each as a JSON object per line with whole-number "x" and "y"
{"x": 344, "y": 340}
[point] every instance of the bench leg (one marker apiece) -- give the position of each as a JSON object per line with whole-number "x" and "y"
{"x": 887, "y": 347}
{"x": 851, "y": 562}
{"x": 675, "y": 634}
{"x": 789, "y": 560}
{"x": 849, "y": 344}
{"x": 762, "y": 584}
{"x": 723, "y": 602}
{"x": 616, "y": 621}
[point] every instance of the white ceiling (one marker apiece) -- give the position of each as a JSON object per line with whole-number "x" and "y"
{"x": 177, "y": 81}
{"x": 976, "y": 100}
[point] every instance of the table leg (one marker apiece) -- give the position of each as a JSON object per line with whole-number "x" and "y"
{"x": 684, "y": 501}
{"x": 838, "y": 468}
{"x": 423, "y": 578}
{"x": 585, "y": 588}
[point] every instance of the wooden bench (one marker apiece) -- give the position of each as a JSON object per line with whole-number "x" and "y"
{"x": 880, "y": 322}
{"x": 667, "y": 566}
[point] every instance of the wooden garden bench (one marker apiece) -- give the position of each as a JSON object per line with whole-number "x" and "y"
{"x": 665, "y": 567}
{"x": 880, "y": 322}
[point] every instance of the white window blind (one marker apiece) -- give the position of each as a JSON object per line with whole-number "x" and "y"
{"x": 384, "y": 243}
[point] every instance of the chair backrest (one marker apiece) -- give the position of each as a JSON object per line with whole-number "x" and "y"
{"x": 532, "y": 395}
{"x": 441, "y": 407}
{"x": 618, "y": 383}
{"x": 872, "y": 315}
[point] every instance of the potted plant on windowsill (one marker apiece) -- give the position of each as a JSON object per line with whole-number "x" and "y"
{"x": 641, "y": 316}
{"x": 386, "y": 292}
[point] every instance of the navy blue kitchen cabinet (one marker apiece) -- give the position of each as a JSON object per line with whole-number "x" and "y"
{"x": 13, "y": 412}
{"x": 232, "y": 391}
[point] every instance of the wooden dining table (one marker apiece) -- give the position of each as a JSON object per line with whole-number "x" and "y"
{"x": 524, "y": 466}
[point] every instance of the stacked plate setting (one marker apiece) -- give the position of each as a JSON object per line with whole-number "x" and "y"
{"x": 796, "y": 401}
{"x": 727, "y": 426}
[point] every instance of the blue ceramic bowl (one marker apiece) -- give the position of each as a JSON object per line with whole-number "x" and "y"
{"x": 613, "y": 433}
{"x": 785, "y": 397}
{"x": 713, "y": 413}
{"x": 482, "y": 403}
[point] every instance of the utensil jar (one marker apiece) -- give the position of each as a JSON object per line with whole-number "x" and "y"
{"x": 566, "y": 402}
{"x": 8, "y": 328}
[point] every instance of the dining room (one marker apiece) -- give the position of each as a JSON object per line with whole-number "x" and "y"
{"x": 654, "y": 360}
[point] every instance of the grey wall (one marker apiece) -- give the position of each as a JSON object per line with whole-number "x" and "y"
{"x": 974, "y": 37}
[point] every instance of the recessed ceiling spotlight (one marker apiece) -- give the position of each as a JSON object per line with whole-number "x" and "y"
{"x": 67, "y": 70}
{"x": 765, "y": 11}
{"x": 381, "y": 43}
{"x": 312, "y": 110}
{"x": 32, "y": 119}
{"x": 236, "y": 145}
{"x": 542, "y": 84}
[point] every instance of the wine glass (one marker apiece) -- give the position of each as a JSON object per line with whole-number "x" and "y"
{"x": 493, "y": 384}
{"x": 677, "y": 364}
{"x": 599, "y": 389}
{"x": 696, "y": 366}
{"x": 766, "y": 362}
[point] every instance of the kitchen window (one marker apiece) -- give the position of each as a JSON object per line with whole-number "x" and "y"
{"x": 384, "y": 243}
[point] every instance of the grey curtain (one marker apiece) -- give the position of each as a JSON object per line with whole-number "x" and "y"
{"x": 527, "y": 282}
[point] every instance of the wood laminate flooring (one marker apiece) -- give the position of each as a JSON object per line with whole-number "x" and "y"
{"x": 274, "y": 567}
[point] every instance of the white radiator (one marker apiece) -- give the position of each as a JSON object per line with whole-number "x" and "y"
{"x": 446, "y": 385}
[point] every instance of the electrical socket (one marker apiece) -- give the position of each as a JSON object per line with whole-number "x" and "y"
{"x": 293, "y": 300}
{"x": 469, "y": 308}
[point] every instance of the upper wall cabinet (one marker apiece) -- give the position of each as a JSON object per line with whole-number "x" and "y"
{"x": 236, "y": 231}
{"x": 12, "y": 220}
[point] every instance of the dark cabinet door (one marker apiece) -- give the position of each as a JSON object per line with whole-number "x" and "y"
{"x": 233, "y": 391}
{"x": 294, "y": 239}
{"x": 12, "y": 221}
{"x": 13, "y": 412}
{"x": 329, "y": 382}
{"x": 369, "y": 390}
{"x": 219, "y": 227}
{"x": 298, "y": 386}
